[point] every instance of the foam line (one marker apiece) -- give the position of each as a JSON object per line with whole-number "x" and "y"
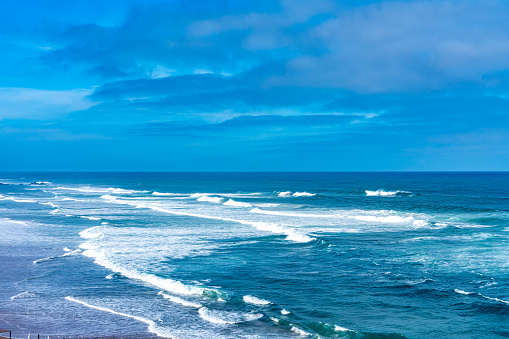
{"x": 152, "y": 328}
{"x": 180, "y": 301}
{"x": 291, "y": 234}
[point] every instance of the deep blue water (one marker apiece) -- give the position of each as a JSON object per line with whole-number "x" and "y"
{"x": 255, "y": 255}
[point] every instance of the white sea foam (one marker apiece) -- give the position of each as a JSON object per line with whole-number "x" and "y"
{"x": 226, "y": 317}
{"x": 215, "y": 200}
{"x": 285, "y": 312}
{"x": 284, "y": 194}
{"x": 152, "y": 327}
{"x": 96, "y": 190}
{"x": 303, "y": 194}
{"x": 16, "y": 199}
{"x": 300, "y": 332}
{"x": 384, "y": 193}
{"x": 249, "y": 299}
{"x": 180, "y": 301}
{"x": 166, "y": 284}
{"x": 93, "y": 232}
{"x": 55, "y": 211}
{"x": 267, "y": 205}
{"x": 49, "y": 204}
{"x": 67, "y": 254}
{"x": 234, "y": 203}
{"x": 89, "y": 217}
{"x": 24, "y": 295}
{"x": 341, "y": 329}
{"x": 483, "y": 296}
{"x": 390, "y": 218}
{"x": 160, "y": 194}
{"x": 110, "y": 276}
{"x": 290, "y": 214}
{"x": 290, "y": 233}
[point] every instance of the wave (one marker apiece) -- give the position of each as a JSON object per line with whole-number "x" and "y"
{"x": 215, "y": 200}
{"x": 249, "y": 299}
{"x": 67, "y": 254}
{"x": 152, "y": 327}
{"x": 384, "y": 193}
{"x": 40, "y": 183}
{"x": 390, "y": 218}
{"x": 300, "y": 332}
{"x": 24, "y": 295}
{"x": 291, "y": 234}
{"x": 227, "y": 317}
{"x": 98, "y": 190}
{"x": 92, "y": 232}
{"x": 482, "y": 296}
{"x": 234, "y": 203}
{"x": 285, "y": 312}
{"x": 49, "y": 204}
{"x": 180, "y": 301}
{"x": 89, "y": 218}
{"x": 287, "y": 194}
{"x": 159, "y": 194}
{"x": 166, "y": 284}
{"x": 289, "y": 214}
{"x": 303, "y": 194}
{"x": 15, "y": 199}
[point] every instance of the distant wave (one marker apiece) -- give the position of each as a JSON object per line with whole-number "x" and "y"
{"x": 40, "y": 183}
{"x": 384, "y": 193}
{"x": 296, "y": 194}
{"x": 483, "y": 296}
{"x": 16, "y": 199}
{"x": 67, "y": 254}
{"x": 215, "y": 200}
{"x": 89, "y": 217}
{"x": 234, "y": 203}
{"x": 291, "y": 234}
{"x": 99, "y": 190}
{"x": 159, "y": 194}
{"x": 24, "y": 295}
{"x": 290, "y": 214}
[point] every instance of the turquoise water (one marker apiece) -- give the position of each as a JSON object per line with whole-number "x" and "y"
{"x": 255, "y": 255}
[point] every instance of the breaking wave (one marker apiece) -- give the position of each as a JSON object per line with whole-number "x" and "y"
{"x": 384, "y": 193}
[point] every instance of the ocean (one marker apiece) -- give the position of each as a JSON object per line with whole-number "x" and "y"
{"x": 255, "y": 255}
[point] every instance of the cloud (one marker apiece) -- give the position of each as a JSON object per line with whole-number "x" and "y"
{"x": 28, "y": 103}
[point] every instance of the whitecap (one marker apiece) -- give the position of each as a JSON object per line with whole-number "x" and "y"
{"x": 285, "y": 312}
{"x": 303, "y": 194}
{"x": 384, "y": 193}
{"x": 300, "y": 332}
{"x": 180, "y": 301}
{"x": 284, "y": 194}
{"x": 234, "y": 203}
{"x": 249, "y": 299}
{"x": 215, "y": 200}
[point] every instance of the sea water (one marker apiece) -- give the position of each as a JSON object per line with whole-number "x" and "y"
{"x": 255, "y": 255}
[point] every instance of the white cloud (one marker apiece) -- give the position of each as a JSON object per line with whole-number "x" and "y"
{"x": 39, "y": 104}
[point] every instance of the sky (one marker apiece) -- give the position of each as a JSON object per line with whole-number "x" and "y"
{"x": 240, "y": 85}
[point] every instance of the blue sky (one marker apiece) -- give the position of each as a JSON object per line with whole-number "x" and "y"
{"x": 254, "y": 85}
